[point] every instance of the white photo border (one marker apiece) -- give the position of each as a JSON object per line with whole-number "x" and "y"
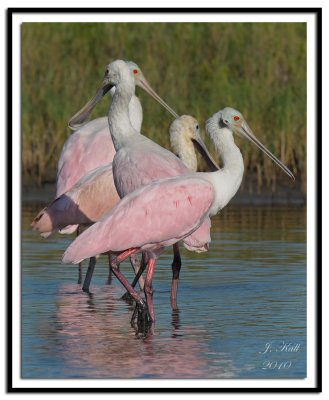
{"x": 313, "y": 18}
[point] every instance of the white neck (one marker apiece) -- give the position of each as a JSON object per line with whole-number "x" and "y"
{"x": 135, "y": 111}
{"x": 228, "y": 179}
{"x": 118, "y": 117}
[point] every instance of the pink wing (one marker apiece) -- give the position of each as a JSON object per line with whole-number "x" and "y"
{"x": 141, "y": 164}
{"x": 86, "y": 149}
{"x": 153, "y": 216}
{"x": 89, "y": 199}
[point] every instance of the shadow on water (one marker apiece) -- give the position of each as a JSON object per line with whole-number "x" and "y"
{"x": 242, "y": 307}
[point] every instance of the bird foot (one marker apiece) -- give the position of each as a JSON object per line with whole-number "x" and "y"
{"x": 141, "y": 320}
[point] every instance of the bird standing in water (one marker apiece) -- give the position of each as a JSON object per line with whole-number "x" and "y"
{"x": 71, "y": 207}
{"x": 138, "y": 160}
{"x": 164, "y": 212}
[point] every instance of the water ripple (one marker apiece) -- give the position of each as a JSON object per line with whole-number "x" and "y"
{"x": 249, "y": 290}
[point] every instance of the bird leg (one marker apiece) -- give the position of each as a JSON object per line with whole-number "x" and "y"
{"x": 141, "y": 269}
{"x": 176, "y": 266}
{"x": 146, "y": 326}
{"x": 90, "y": 271}
{"x": 137, "y": 266}
{"x": 80, "y": 263}
{"x": 89, "y": 274}
{"x": 109, "y": 278}
{"x": 142, "y": 312}
{"x": 175, "y": 322}
{"x": 79, "y": 273}
{"x": 148, "y": 290}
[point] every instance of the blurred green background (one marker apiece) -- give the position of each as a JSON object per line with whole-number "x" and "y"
{"x": 198, "y": 68}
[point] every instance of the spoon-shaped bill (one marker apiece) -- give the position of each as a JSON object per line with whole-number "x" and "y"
{"x": 246, "y": 132}
{"x": 80, "y": 117}
{"x": 202, "y": 149}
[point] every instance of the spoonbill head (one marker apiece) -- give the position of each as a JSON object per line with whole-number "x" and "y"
{"x": 114, "y": 74}
{"x": 230, "y": 120}
{"x": 185, "y": 139}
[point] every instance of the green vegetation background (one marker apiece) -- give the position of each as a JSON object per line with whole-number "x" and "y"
{"x": 198, "y": 68}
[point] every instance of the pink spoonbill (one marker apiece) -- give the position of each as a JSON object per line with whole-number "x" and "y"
{"x": 89, "y": 147}
{"x": 164, "y": 212}
{"x": 94, "y": 195}
{"x": 138, "y": 160}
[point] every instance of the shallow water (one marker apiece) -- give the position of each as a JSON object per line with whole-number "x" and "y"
{"x": 242, "y": 307}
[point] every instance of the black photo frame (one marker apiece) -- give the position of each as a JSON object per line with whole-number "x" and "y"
{"x": 12, "y": 386}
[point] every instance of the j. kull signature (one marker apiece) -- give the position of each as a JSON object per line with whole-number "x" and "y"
{"x": 283, "y": 347}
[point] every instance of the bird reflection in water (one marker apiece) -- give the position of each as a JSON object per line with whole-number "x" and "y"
{"x": 96, "y": 341}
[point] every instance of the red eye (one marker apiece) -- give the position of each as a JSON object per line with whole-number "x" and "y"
{"x": 135, "y": 71}
{"x": 236, "y": 118}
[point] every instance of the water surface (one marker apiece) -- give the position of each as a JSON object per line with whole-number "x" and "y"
{"x": 242, "y": 307}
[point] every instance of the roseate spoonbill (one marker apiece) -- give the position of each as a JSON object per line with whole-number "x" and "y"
{"x": 91, "y": 145}
{"x": 94, "y": 195}
{"x": 164, "y": 212}
{"x": 138, "y": 160}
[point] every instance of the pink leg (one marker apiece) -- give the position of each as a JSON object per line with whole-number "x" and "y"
{"x": 115, "y": 268}
{"x": 176, "y": 266}
{"x": 148, "y": 287}
{"x": 142, "y": 266}
{"x": 139, "y": 272}
{"x": 141, "y": 313}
